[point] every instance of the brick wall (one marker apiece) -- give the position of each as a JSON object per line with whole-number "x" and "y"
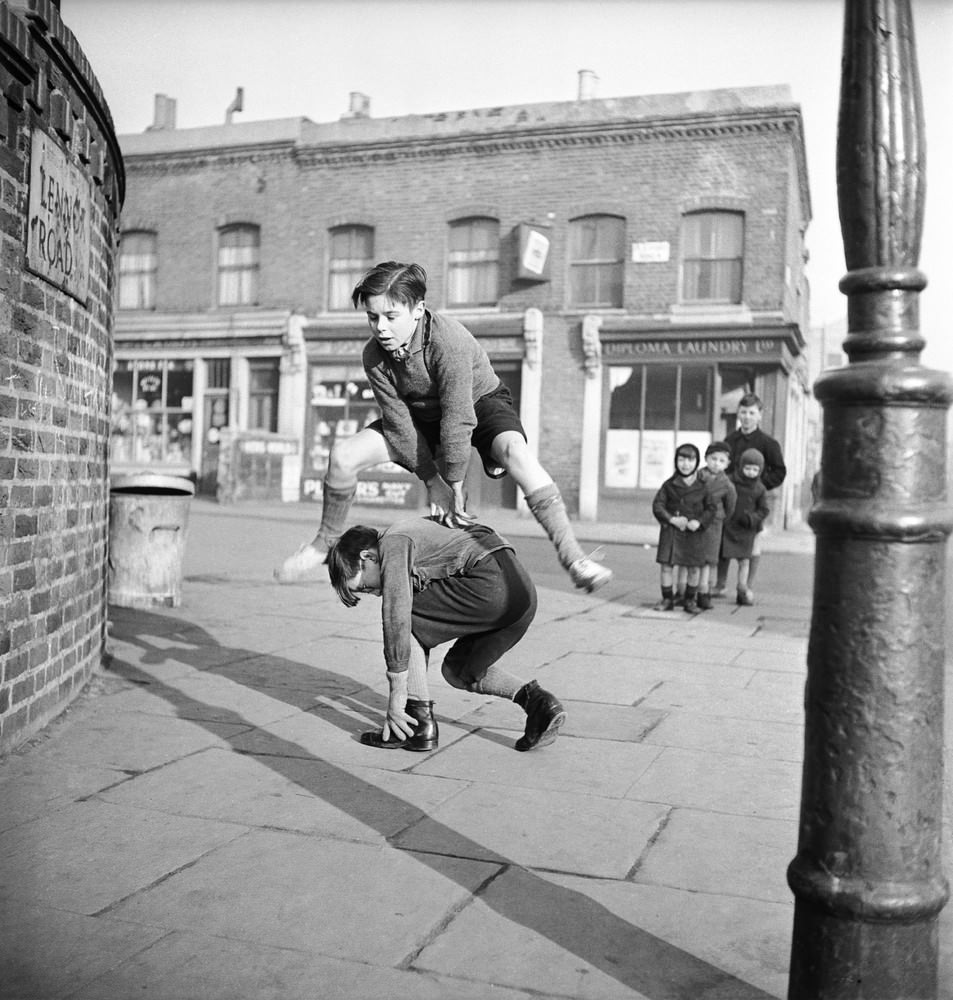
{"x": 55, "y": 369}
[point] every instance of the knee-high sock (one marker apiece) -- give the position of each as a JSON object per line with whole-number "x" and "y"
{"x": 499, "y": 682}
{"x": 417, "y": 686}
{"x": 337, "y": 504}
{"x": 546, "y": 505}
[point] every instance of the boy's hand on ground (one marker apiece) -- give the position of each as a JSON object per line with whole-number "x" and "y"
{"x": 398, "y": 723}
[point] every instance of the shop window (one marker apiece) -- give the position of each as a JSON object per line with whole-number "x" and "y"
{"x": 473, "y": 263}
{"x": 596, "y": 262}
{"x": 152, "y": 413}
{"x": 238, "y": 260}
{"x": 352, "y": 254}
{"x": 712, "y": 249}
{"x": 342, "y": 404}
{"x": 137, "y": 270}
{"x": 263, "y": 395}
{"x": 653, "y": 409}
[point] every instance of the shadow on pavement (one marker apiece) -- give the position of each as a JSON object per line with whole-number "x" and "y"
{"x": 567, "y": 918}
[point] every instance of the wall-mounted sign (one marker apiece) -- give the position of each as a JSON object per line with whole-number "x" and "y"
{"x": 657, "y": 252}
{"x": 762, "y": 347}
{"x": 534, "y": 244}
{"x": 58, "y": 231}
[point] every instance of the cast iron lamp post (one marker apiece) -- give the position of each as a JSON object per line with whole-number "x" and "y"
{"x": 867, "y": 877}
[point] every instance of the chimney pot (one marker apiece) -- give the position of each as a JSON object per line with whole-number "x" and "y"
{"x": 588, "y": 85}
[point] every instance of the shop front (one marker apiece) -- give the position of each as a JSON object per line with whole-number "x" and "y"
{"x": 660, "y": 392}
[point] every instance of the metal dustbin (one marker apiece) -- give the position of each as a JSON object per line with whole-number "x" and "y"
{"x": 148, "y": 522}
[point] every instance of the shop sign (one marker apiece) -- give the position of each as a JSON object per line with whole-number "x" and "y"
{"x": 259, "y": 447}
{"x": 58, "y": 230}
{"x": 654, "y": 252}
{"x": 769, "y": 347}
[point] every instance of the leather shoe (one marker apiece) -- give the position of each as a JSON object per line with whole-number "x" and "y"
{"x": 544, "y": 716}
{"x": 426, "y": 732}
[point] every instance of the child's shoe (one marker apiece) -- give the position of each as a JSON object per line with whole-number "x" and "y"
{"x": 304, "y": 565}
{"x": 680, "y": 599}
{"x": 690, "y": 606}
{"x": 589, "y": 575}
{"x": 745, "y": 597}
{"x": 665, "y": 604}
{"x": 704, "y": 602}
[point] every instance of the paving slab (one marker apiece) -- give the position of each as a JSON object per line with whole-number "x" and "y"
{"x": 726, "y": 783}
{"x": 189, "y": 966}
{"x": 532, "y": 827}
{"x": 90, "y": 855}
{"x": 313, "y": 894}
{"x": 284, "y": 793}
{"x": 721, "y": 854}
{"x": 47, "y": 952}
{"x": 591, "y": 939}
{"x": 699, "y": 730}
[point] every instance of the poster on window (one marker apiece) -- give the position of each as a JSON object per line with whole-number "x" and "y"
{"x": 622, "y": 459}
{"x": 657, "y": 461}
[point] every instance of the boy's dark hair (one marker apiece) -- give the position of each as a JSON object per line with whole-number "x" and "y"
{"x": 406, "y": 283}
{"x": 750, "y": 399}
{"x": 344, "y": 559}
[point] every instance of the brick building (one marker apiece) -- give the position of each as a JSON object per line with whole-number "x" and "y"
{"x": 632, "y": 265}
{"x": 62, "y": 181}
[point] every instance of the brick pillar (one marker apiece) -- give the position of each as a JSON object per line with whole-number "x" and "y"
{"x": 62, "y": 183}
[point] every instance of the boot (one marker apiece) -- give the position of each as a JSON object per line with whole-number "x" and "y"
{"x": 425, "y": 735}
{"x": 690, "y": 605}
{"x": 305, "y": 563}
{"x": 544, "y": 716}
{"x": 704, "y": 601}
{"x": 668, "y": 602}
{"x": 745, "y": 597}
{"x": 547, "y": 506}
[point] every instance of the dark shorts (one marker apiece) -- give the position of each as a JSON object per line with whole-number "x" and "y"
{"x": 495, "y": 414}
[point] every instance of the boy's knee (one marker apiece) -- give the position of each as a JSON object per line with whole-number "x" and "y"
{"x": 451, "y": 675}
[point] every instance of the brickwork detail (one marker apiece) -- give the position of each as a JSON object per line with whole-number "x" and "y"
{"x": 55, "y": 371}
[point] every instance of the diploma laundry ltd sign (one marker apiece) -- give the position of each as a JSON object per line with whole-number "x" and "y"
{"x": 58, "y": 231}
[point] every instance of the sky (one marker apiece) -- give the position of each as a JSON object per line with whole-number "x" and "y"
{"x": 302, "y": 58}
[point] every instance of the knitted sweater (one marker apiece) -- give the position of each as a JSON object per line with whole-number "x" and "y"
{"x": 446, "y": 373}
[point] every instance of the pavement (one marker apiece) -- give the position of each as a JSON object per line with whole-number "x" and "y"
{"x": 203, "y": 824}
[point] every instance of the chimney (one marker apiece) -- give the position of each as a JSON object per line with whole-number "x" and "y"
{"x": 359, "y": 106}
{"x": 236, "y": 105}
{"x": 164, "y": 116}
{"x": 588, "y": 85}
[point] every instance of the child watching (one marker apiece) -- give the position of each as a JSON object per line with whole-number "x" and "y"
{"x": 683, "y": 509}
{"x": 723, "y": 496}
{"x": 742, "y": 527}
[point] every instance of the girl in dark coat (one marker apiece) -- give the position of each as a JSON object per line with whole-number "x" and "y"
{"x": 683, "y": 507}
{"x": 751, "y": 508}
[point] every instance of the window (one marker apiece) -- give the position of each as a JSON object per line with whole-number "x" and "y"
{"x": 137, "y": 271}
{"x": 263, "y": 395}
{"x": 652, "y": 408}
{"x": 712, "y": 247}
{"x": 151, "y": 412}
{"x": 352, "y": 254}
{"x": 596, "y": 262}
{"x": 238, "y": 266}
{"x": 473, "y": 262}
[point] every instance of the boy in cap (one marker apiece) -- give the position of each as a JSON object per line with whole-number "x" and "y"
{"x": 723, "y": 495}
